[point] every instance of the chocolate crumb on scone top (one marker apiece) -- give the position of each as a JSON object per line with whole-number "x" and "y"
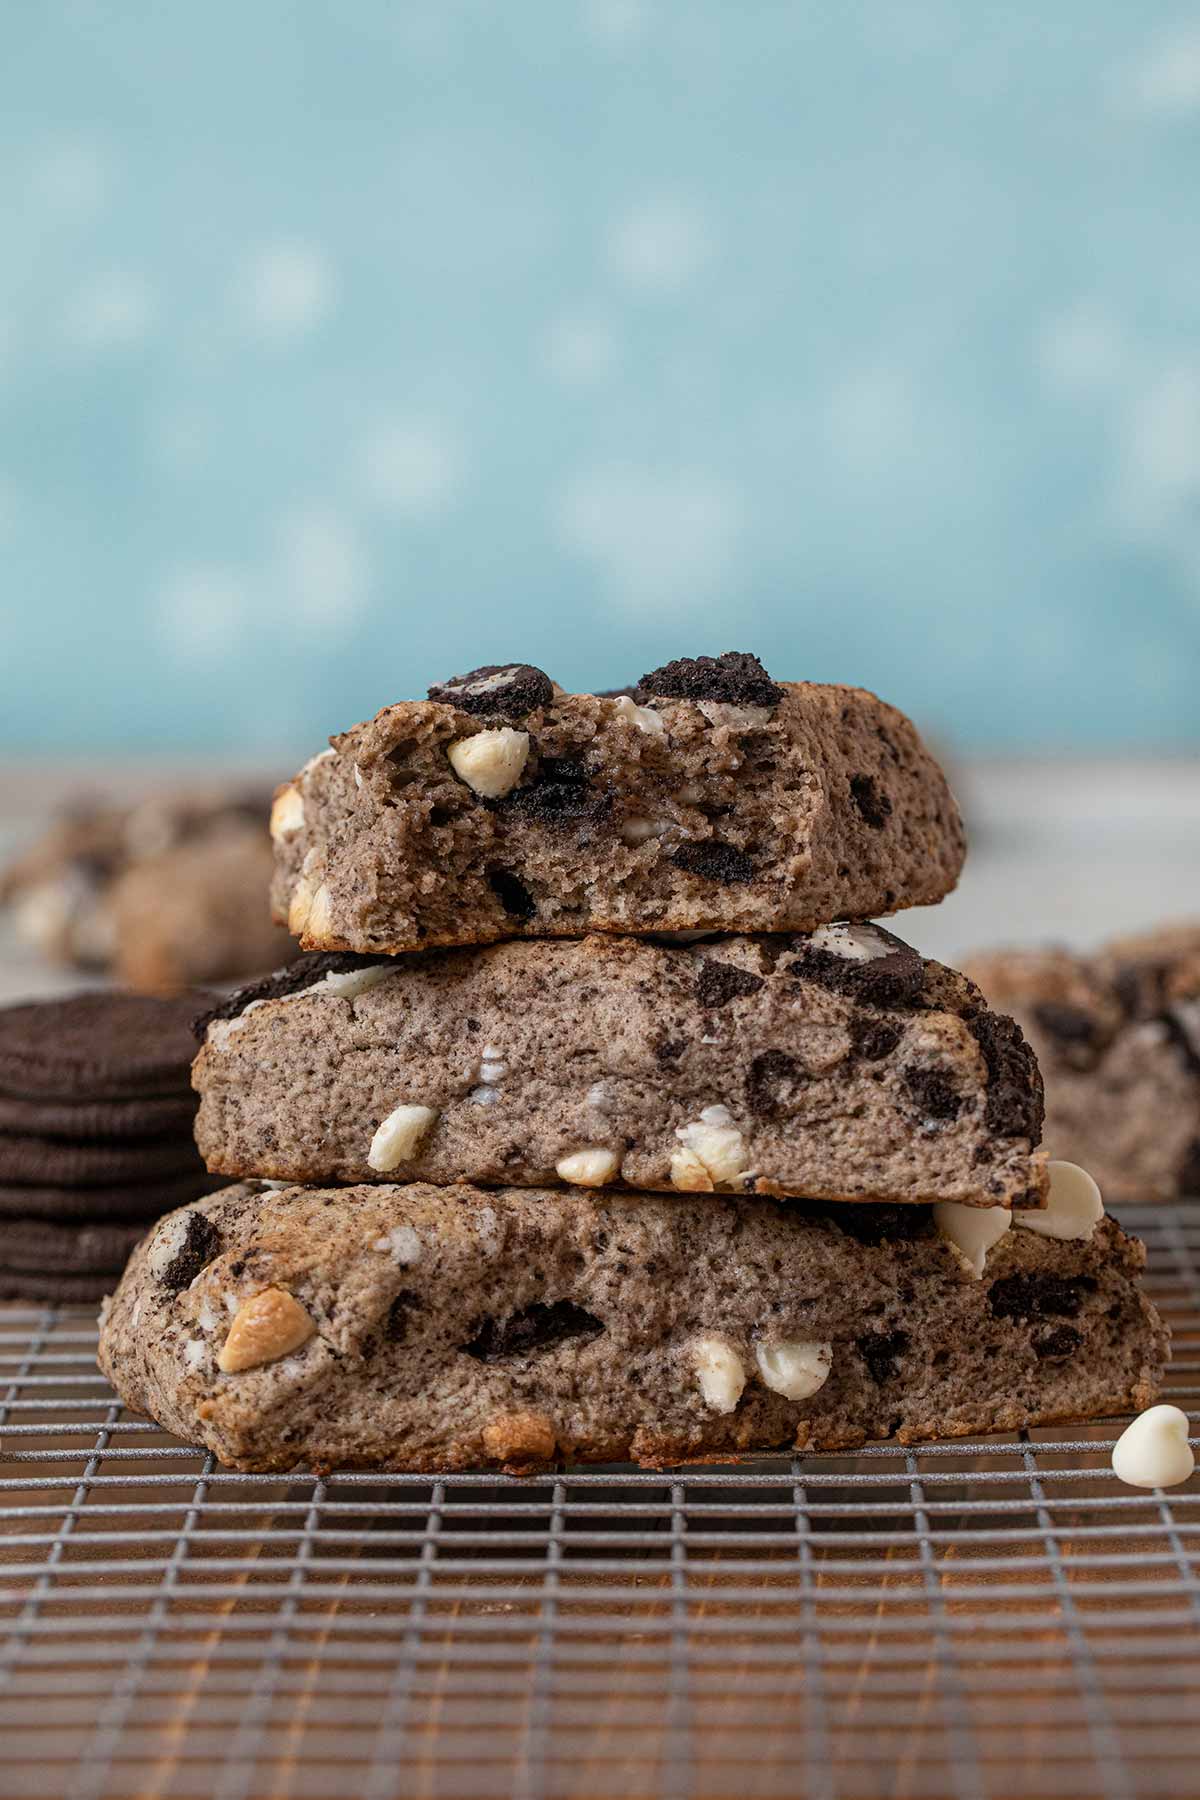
{"x": 1117, "y": 1034}
{"x": 839, "y": 1066}
{"x": 712, "y": 798}
{"x": 410, "y": 1327}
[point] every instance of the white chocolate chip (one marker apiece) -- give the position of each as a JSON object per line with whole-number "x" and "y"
{"x": 971, "y": 1229}
{"x": 358, "y": 777}
{"x": 719, "y": 1371}
{"x": 492, "y": 1071}
{"x": 713, "y": 1153}
{"x": 483, "y": 1095}
{"x": 490, "y": 762}
{"x": 207, "y": 1316}
{"x": 1073, "y": 1208}
{"x": 689, "y": 1174}
{"x": 194, "y": 1352}
{"x": 349, "y": 983}
{"x": 796, "y": 1368}
{"x": 401, "y": 1243}
{"x": 735, "y": 718}
{"x": 590, "y": 1167}
{"x": 287, "y": 812}
{"x": 300, "y": 905}
{"x": 398, "y": 1136}
{"x": 269, "y": 1325}
{"x": 640, "y": 831}
{"x": 1154, "y": 1451}
{"x": 856, "y": 943}
{"x": 169, "y": 1240}
{"x": 316, "y": 925}
{"x": 644, "y": 717}
{"x": 598, "y": 1097}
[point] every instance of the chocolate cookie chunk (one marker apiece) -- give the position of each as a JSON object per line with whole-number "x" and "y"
{"x": 406, "y": 1327}
{"x": 865, "y": 961}
{"x": 734, "y": 678}
{"x": 498, "y": 690}
{"x": 714, "y": 800}
{"x": 302, "y": 972}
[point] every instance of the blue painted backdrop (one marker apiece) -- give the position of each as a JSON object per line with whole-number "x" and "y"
{"x": 343, "y": 346}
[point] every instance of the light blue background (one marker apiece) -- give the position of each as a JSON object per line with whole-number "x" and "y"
{"x": 343, "y": 346}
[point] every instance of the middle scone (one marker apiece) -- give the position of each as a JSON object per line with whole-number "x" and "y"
{"x": 838, "y": 1065}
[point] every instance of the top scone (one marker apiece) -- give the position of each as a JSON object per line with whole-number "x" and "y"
{"x": 713, "y": 799}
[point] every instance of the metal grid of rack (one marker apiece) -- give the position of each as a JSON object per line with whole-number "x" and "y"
{"x": 972, "y": 1619}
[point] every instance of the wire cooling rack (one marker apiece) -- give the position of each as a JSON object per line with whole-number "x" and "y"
{"x": 973, "y": 1619}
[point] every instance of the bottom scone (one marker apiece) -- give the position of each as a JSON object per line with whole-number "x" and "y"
{"x": 445, "y": 1328}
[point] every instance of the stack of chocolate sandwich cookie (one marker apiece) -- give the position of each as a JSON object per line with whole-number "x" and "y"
{"x": 598, "y": 1122}
{"x": 95, "y": 1137}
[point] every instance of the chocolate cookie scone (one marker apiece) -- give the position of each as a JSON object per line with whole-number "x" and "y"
{"x": 837, "y": 1065}
{"x": 438, "y": 1329}
{"x": 717, "y": 799}
{"x": 1118, "y": 1038}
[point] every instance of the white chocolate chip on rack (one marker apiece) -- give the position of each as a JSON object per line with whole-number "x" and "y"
{"x": 797, "y": 1368}
{"x": 490, "y": 762}
{"x": 396, "y": 1139}
{"x": 719, "y": 1372}
{"x": 1073, "y": 1208}
{"x": 590, "y": 1167}
{"x": 713, "y": 1153}
{"x": 972, "y": 1229}
{"x": 1154, "y": 1451}
{"x": 269, "y": 1325}
{"x": 287, "y": 812}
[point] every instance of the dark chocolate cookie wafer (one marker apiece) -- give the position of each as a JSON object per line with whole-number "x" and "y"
{"x": 97, "y": 1046}
{"x": 39, "y": 1246}
{"x": 98, "y": 1121}
{"x": 40, "y": 1260}
{"x": 124, "y": 1200}
{"x": 42, "y": 1162}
